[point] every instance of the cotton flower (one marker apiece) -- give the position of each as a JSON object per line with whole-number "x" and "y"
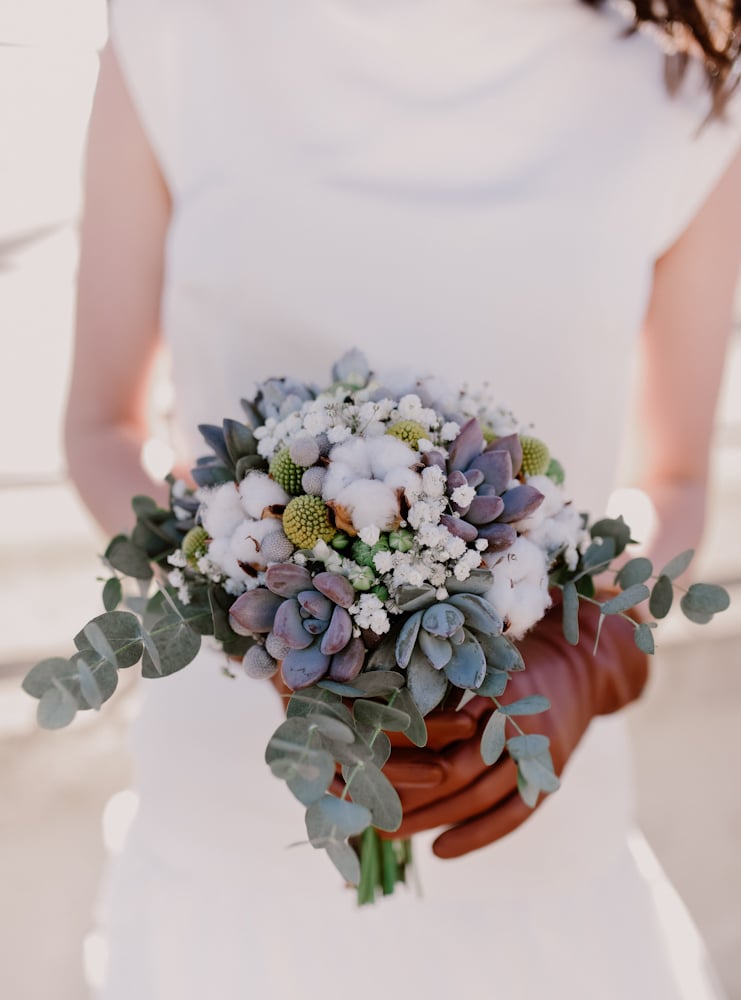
{"x": 258, "y": 491}
{"x": 519, "y": 591}
{"x": 370, "y": 502}
{"x": 221, "y": 510}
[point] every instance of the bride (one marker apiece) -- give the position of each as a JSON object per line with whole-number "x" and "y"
{"x": 499, "y": 190}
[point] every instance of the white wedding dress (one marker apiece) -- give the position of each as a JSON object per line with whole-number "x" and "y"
{"x": 476, "y": 188}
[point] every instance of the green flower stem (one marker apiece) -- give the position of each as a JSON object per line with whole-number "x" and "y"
{"x": 390, "y": 874}
{"x": 369, "y": 866}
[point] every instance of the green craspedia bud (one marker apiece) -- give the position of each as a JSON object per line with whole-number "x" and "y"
{"x": 340, "y": 541}
{"x": 195, "y": 545}
{"x": 489, "y": 435}
{"x": 286, "y": 473}
{"x": 306, "y": 521}
{"x": 535, "y": 456}
{"x": 555, "y": 472}
{"x": 408, "y": 431}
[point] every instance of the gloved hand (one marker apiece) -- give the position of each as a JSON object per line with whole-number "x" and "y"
{"x": 448, "y": 784}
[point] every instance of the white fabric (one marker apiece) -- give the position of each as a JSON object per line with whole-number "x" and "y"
{"x": 477, "y": 188}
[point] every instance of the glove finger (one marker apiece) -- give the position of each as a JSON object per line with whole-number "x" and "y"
{"x": 482, "y": 830}
{"x": 443, "y": 728}
{"x": 411, "y": 770}
{"x": 496, "y": 785}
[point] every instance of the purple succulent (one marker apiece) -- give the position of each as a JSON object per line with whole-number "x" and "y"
{"x": 306, "y": 624}
{"x": 489, "y": 470}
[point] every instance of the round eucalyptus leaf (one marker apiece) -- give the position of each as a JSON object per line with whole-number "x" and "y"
{"x": 705, "y": 599}
{"x": 177, "y": 646}
{"x": 343, "y": 690}
{"x": 345, "y": 860}
{"x": 112, "y": 593}
{"x": 331, "y": 819}
{"x": 528, "y": 793}
{"x": 128, "y": 558}
{"x": 612, "y": 529}
{"x": 96, "y": 638}
{"x": 89, "y": 687}
{"x": 416, "y": 731}
{"x": 373, "y": 713}
{"x": 644, "y": 639}
{"x": 530, "y": 745}
{"x": 635, "y": 571}
{"x": 122, "y": 632}
{"x": 531, "y": 705}
{"x": 662, "y": 596}
{"x": 379, "y": 682}
{"x": 56, "y": 709}
{"x": 493, "y": 740}
{"x": 697, "y": 617}
{"x": 538, "y": 772}
{"x": 631, "y": 596}
{"x": 313, "y": 700}
{"x": 374, "y": 745}
{"x": 312, "y": 777}
{"x": 41, "y": 677}
{"x": 371, "y": 788}
{"x": 676, "y": 566}
{"x": 332, "y": 728}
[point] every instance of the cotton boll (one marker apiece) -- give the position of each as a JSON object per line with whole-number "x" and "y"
{"x": 221, "y": 510}
{"x": 339, "y": 475}
{"x": 353, "y": 454}
{"x": 222, "y": 557}
{"x": 407, "y": 480}
{"x": 370, "y": 502}
{"x": 258, "y": 491}
{"x": 519, "y": 591}
{"x": 387, "y": 453}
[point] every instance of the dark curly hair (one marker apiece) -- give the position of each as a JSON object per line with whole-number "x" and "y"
{"x": 708, "y": 29}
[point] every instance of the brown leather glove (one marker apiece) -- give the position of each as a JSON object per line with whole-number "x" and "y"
{"x": 480, "y": 804}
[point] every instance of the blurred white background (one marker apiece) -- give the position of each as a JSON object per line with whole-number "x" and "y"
{"x": 63, "y": 794}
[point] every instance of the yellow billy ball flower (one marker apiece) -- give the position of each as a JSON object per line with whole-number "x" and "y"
{"x": 306, "y": 521}
{"x": 535, "y": 456}
{"x": 408, "y": 431}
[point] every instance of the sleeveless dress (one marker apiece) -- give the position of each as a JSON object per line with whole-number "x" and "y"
{"x": 474, "y": 188}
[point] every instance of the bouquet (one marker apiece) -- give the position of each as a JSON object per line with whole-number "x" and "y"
{"x": 382, "y": 545}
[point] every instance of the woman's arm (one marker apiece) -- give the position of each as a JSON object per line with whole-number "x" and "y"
{"x": 682, "y": 350}
{"x": 126, "y": 215}
{"x": 683, "y": 347}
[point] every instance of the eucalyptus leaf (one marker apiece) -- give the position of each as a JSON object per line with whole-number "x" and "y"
{"x": 379, "y": 682}
{"x": 598, "y": 554}
{"x": 332, "y": 728}
{"x": 538, "y": 772}
{"x": 176, "y": 644}
{"x": 529, "y": 745}
{"x": 312, "y": 777}
{"x": 42, "y": 676}
{"x": 635, "y": 571}
{"x": 345, "y": 860}
{"x": 371, "y": 788}
{"x": 332, "y": 818}
{"x": 662, "y": 597}
{"x": 416, "y": 731}
{"x": 528, "y": 793}
{"x": 493, "y": 739}
{"x": 56, "y": 708}
{"x": 144, "y": 506}
{"x": 676, "y": 566}
{"x": 373, "y": 713}
{"x": 312, "y": 700}
{"x": 697, "y": 617}
{"x": 376, "y": 743}
{"x": 89, "y": 687}
{"x": 644, "y": 639}
{"x": 343, "y": 690}
{"x": 128, "y": 558}
{"x": 570, "y": 613}
{"x": 531, "y": 705}
{"x": 705, "y": 599}
{"x": 612, "y": 529}
{"x": 629, "y": 597}
{"x": 96, "y": 638}
{"x": 112, "y": 593}
{"x": 122, "y": 631}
